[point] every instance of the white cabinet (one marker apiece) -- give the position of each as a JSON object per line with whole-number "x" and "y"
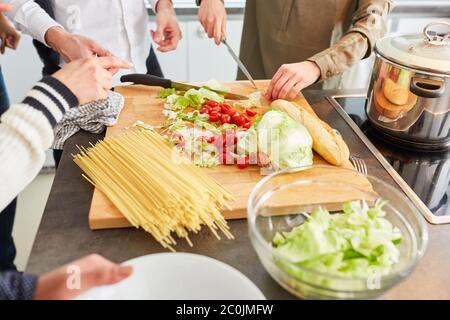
{"x": 197, "y": 57}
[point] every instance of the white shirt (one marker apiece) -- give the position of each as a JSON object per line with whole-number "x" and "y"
{"x": 120, "y": 26}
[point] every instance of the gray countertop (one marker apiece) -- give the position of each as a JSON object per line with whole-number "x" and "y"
{"x": 64, "y": 234}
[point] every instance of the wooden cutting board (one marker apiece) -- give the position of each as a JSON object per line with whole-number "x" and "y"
{"x": 141, "y": 104}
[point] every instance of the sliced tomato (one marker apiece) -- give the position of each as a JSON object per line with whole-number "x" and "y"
{"x": 225, "y": 107}
{"x": 204, "y": 110}
{"x": 245, "y": 118}
{"x": 216, "y": 109}
{"x": 237, "y": 120}
{"x": 247, "y": 125}
{"x": 210, "y": 139}
{"x": 250, "y": 113}
{"x": 213, "y": 117}
{"x": 225, "y": 118}
{"x": 232, "y": 112}
{"x": 212, "y": 103}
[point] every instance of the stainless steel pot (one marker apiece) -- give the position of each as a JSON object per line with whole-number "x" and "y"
{"x": 409, "y": 92}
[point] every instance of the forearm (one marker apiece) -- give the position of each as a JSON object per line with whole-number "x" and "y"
{"x": 163, "y": 5}
{"x": 26, "y": 131}
{"x": 368, "y": 25}
{"x": 342, "y": 55}
{"x": 30, "y": 18}
{"x": 17, "y": 286}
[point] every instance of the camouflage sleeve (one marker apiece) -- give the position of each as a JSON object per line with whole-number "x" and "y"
{"x": 368, "y": 25}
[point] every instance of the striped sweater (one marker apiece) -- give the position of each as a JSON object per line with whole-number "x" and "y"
{"x": 26, "y": 131}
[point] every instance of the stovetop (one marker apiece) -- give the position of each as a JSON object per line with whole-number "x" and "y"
{"x": 427, "y": 173}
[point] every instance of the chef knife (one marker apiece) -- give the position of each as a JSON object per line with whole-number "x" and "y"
{"x": 150, "y": 80}
{"x": 239, "y": 63}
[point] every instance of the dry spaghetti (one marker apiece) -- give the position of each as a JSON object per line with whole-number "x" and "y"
{"x": 153, "y": 187}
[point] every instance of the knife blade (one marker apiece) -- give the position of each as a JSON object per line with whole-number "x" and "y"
{"x": 150, "y": 80}
{"x": 239, "y": 63}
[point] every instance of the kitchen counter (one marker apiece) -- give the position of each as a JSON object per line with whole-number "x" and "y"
{"x": 64, "y": 234}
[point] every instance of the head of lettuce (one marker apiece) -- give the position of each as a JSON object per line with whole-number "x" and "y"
{"x": 286, "y": 142}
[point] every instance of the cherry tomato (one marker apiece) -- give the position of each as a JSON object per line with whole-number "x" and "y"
{"x": 245, "y": 118}
{"x": 243, "y": 162}
{"x": 225, "y": 118}
{"x": 250, "y": 113}
{"x": 204, "y": 110}
{"x": 237, "y": 120}
{"x": 211, "y": 103}
{"x": 225, "y": 107}
{"x": 247, "y": 125}
{"x": 231, "y": 112}
{"x": 214, "y": 117}
{"x": 216, "y": 109}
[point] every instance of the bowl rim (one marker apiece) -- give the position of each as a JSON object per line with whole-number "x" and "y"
{"x": 421, "y": 249}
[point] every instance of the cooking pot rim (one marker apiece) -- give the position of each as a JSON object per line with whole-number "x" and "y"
{"x": 417, "y": 69}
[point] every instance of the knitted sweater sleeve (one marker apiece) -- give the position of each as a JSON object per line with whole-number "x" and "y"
{"x": 26, "y": 131}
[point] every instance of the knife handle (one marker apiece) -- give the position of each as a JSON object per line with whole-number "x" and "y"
{"x": 146, "y": 79}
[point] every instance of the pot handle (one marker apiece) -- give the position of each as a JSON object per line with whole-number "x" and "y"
{"x": 427, "y": 88}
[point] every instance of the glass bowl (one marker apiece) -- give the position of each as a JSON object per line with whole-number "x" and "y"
{"x": 277, "y": 202}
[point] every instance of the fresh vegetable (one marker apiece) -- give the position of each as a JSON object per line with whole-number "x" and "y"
{"x": 250, "y": 113}
{"x": 359, "y": 242}
{"x": 254, "y": 100}
{"x": 163, "y": 94}
{"x": 192, "y": 98}
{"x": 286, "y": 142}
{"x": 226, "y": 118}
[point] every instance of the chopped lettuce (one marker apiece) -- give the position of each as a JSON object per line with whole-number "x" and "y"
{"x": 254, "y": 100}
{"x": 360, "y": 242}
{"x": 192, "y": 116}
{"x": 163, "y": 94}
{"x": 286, "y": 142}
{"x": 201, "y": 153}
{"x": 192, "y": 98}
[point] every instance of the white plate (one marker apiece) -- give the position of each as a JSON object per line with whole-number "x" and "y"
{"x": 179, "y": 276}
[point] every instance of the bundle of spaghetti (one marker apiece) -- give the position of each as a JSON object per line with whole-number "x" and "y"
{"x": 154, "y": 187}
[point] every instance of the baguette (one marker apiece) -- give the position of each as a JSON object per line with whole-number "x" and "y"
{"x": 326, "y": 142}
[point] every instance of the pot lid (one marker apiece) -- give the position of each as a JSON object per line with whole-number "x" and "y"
{"x": 429, "y": 52}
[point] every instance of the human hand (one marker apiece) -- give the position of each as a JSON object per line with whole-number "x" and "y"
{"x": 213, "y": 17}
{"x": 90, "y": 79}
{"x": 72, "y": 47}
{"x": 8, "y": 35}
{"x": 291, "y": 78}
{"x": 94, "y": 271}
{"x": 4, "y": 7}
{"x": 168, "y": 32}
